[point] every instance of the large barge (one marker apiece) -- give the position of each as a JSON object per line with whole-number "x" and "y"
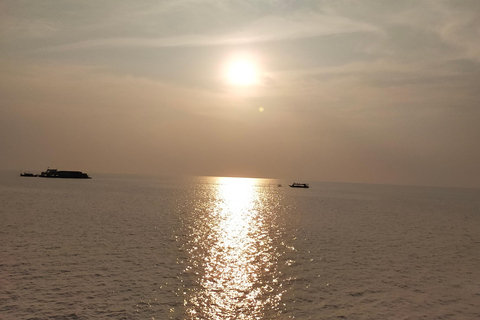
{"x": 54, "y": 173}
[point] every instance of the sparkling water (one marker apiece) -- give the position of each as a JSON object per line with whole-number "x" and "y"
{"x": 129, "y": 247}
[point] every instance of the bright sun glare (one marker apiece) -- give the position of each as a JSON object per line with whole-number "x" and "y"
{"x": 242, "y": 72}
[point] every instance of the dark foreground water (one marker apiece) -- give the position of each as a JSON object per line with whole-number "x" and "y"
{"x": 126, "y": 247}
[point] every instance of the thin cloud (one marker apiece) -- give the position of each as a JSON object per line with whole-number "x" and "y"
{"x": 268, "y": 28}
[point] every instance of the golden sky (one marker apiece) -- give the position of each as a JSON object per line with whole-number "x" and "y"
{"x": 355, "y": 91}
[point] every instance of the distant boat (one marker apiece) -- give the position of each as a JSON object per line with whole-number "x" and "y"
{"x": 299, "y": 185}
{"x": 54, "y": 173}
{"x": 28, "y": 174}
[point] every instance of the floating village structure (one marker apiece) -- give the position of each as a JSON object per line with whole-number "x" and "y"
{"x": 54, "y": 173}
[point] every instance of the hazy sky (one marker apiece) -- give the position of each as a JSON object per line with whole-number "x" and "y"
{"x": 357, "y": 91}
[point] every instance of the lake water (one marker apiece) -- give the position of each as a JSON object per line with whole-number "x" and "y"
{"x": 129, "y": 247}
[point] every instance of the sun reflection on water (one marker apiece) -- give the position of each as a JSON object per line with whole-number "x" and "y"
{"x": 232, "y": 253}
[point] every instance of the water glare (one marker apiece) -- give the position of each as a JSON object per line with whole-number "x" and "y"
{"x": 233, "y": 252}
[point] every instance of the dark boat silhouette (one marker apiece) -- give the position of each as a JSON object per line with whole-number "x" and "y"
{"x": 299, "y": 185}
{"x": 54, "y": 173}
{"x": 28, "y": 174}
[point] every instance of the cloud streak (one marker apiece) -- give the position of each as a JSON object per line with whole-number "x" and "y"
{"x": 267, "y": 29}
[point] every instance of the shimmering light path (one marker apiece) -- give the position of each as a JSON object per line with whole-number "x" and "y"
{"x": 234, "y": 251}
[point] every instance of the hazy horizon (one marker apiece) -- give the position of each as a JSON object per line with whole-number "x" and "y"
{"x": 364, "y": 92}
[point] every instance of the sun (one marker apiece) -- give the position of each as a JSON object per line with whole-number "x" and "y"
{"x": 242, "y": 72}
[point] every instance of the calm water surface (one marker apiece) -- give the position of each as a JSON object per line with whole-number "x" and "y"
{"x": 129, "y": 247}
